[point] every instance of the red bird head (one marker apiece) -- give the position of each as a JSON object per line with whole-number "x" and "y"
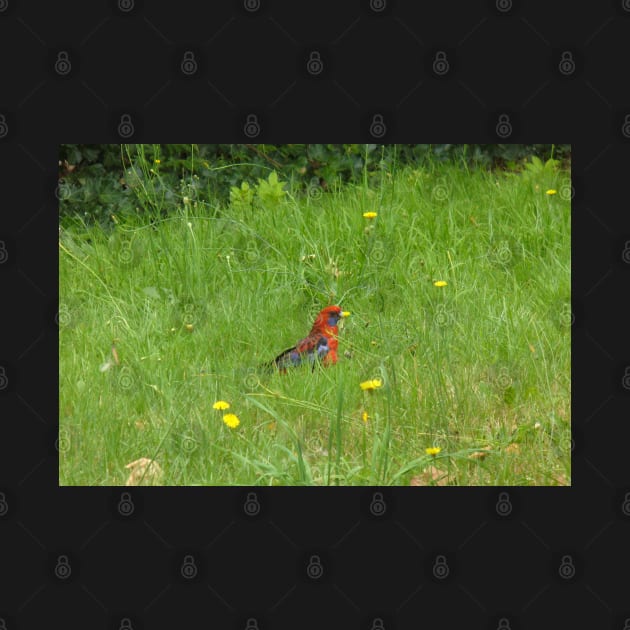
{"x": 326, "y": 322}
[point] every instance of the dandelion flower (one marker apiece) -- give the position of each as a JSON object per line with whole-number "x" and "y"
{"x": 551, "y": 191}
{"x": 221, "y": 404}
{"x": 231, "y": 420}
{"x": 370, "y": 385}
{"x": 370, "y": 215}
{"x": 364, "y": 416}
{"x": 440, "y": 283}
{"x": 432, "y": 450}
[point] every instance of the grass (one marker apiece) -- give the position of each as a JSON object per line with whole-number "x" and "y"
{"x": 199, "y": 298}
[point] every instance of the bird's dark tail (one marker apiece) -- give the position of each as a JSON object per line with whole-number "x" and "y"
{"x": 295, "y": 356}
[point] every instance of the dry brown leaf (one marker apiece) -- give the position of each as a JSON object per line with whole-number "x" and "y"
{"x": 145, "y": 471}
{"x": 115, "y": 353}
{"x": 432, "y": 476}
{"x": 561, "y": 480}
{"x": 482, "y": 453}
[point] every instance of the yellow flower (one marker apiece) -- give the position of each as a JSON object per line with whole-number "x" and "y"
{"x": 551, "y": 191}
{"x": 221, "y": 404}
{"x": 370, "y": 215}
{"x": 345, "y": 313}
{"x": 157, "y": 161}
{"x": 440, "y": 283}
{"x": 364, "y": 416}
{"x": 231, "y": 420}
{"x": 370, "y": 385}
{"x": 432, "y": 450}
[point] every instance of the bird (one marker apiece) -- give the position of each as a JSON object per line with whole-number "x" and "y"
{"x": 320, "y": 344}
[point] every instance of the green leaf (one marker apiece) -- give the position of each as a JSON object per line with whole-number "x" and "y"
{"x": 151, "y": 292}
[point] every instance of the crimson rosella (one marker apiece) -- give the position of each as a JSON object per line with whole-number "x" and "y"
{"x": 321, "y": 343}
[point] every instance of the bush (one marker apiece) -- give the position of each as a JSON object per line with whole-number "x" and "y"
{"x": 98, "y": 181}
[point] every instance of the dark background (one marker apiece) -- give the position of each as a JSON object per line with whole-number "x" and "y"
{"x": 314, "y": 72}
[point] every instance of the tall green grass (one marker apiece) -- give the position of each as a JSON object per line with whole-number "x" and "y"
{"x": 200, "y": 296}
